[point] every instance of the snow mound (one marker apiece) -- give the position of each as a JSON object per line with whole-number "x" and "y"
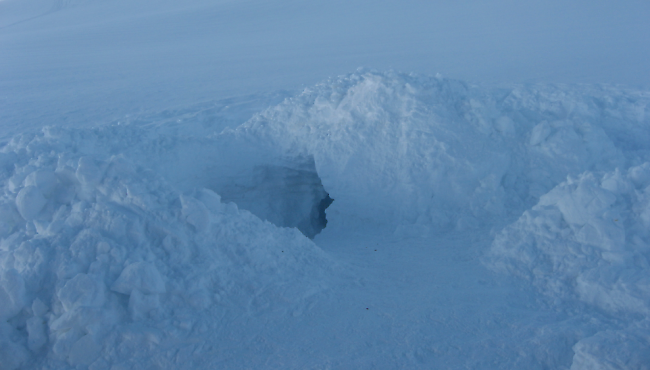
{"x": 587, "y": 242}
{"x": 614, "y": 349}
{"x": 104, "y": 263}
{"x": 411, "y": 153}
{"x": 588, "y": 239}
{"x": 422, "y": 152}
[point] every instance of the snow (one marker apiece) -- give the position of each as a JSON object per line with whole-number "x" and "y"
{"x": 126, "y": 244}
{"x": 587, "y": 241}
{"x": 84, "y": 62}
{"x": 179, "y": 191}
{"x": 113, "y": 245}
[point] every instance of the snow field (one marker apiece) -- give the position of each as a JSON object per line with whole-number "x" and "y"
{"x": 157, "y": 232}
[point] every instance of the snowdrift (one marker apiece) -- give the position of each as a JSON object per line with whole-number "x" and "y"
{"x": 118, "y": 243}
{"x": 424, "y": 153}
{"x": 587, "y": 242}
{"x": 103, "y": 263}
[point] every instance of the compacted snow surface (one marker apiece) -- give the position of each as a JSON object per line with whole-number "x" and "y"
{"x": 471, "y": 227}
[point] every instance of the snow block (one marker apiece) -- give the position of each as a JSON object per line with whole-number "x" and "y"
{"x": 82, "y": 291}
{"x": 12, "y": 294}
{"x": 46, "y": 181}
{"x": 29, "y": 202}
{"x": 613, "y": 350}
{"x": 195, "y": 213}
{"x": 585, "y": 240}
{"x": 142, "y": 276}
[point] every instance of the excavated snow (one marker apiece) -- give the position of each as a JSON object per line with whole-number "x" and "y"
{"x": 123, "y": 246}
{"x": 104, "y": 263}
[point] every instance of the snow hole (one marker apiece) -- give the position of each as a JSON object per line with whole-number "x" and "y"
{"x": 286, "y": 196}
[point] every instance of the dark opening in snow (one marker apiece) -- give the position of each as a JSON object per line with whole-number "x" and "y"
{"x": 322, "y": 206}
{"x": 290, "y": 195}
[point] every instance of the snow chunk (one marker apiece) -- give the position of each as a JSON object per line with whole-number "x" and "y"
{"x": 613, "y": 349}
{"x": 9, "y": 218}
{"x": 195, "y": 213}
{"x": 46, "y": 181}
{"x": 12, "y": 294}
{"x": 82, "y": 291}
{"x": 540, "y": 133}
{"x": 585, "y": 240}
{"x": 87, "y": 172}
{"x": 39, "y": 308}
{"x": 142, "y": 276}
{"x": 30, "y": 201}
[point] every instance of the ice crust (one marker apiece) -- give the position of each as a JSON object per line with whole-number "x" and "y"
{"x": 119, "y": 242}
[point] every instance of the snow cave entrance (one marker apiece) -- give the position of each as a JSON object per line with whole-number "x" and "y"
{"x": 288, "y": 195}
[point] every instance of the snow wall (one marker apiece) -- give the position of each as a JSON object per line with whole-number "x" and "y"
{"x": 103, "y": 263}
{"x": 423, "y": 154}
{"x": 154, "y": 234}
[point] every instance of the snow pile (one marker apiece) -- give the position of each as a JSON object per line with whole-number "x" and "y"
{"x": 389, "y": 148}
{"x": 105, "y": 264}
{"x": 588, "y": 241}
{"x": 614, "y": 349}
{"x": 422, "y": 152}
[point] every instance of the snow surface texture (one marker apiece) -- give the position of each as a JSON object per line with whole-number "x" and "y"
{"x": 428, "y": 152}
{"x": 120, "y": 242}
{"x": 103, "y": 263}
{"x": 588, "y": 240}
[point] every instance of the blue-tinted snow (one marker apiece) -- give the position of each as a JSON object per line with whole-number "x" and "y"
{"x": 81, "y": 62}
{"x": 117, "y": 249}
{"x": 485, "y": 224}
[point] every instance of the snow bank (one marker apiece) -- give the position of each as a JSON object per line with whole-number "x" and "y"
{"x": 587, "y": 242}
{"x": 588, "y": 239}
{"x": 422, "y": 152}
{"x": 412, "y": 153}
{"x": 103, "y": 263}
